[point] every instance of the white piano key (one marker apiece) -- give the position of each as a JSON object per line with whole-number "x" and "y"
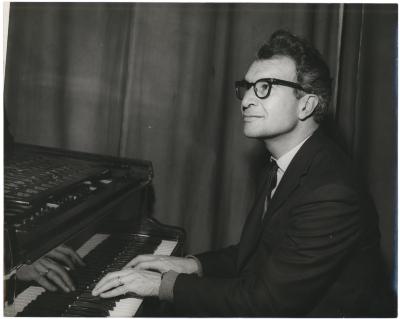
{"x": 24, "y": 299}
{"x": 126, "y": 307}
{"x": 91, "y": 244}
{"x": 166, "y": 247}
{"x": 30, "y": 294}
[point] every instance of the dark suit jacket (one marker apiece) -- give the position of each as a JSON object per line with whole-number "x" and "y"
{"x": 315, "y": 254}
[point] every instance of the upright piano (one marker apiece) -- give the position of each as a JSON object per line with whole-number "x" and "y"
{"x": 96, "y": 204}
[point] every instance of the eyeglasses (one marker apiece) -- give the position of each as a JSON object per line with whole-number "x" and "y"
{"x": 262, "y": 87}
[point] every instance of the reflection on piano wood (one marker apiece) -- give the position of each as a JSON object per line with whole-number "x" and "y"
{"x": 55, "y": 196}
{"x": 52, "y": 194}
{"x": 102, "y": 253}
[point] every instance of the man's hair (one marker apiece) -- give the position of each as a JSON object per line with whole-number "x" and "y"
{"x": 312, "y": 71}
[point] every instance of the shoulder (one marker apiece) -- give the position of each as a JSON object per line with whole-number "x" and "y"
{"x": 332, "y": 184}
{"x": 330, "y": 176}
{"x": 329, "y": 167}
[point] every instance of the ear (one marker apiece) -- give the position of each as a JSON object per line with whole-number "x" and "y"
{"x": 307, "y": 105}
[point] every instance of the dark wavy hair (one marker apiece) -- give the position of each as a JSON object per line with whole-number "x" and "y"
{"x": 312, "y": 71}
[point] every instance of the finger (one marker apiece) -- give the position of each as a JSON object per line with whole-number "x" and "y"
{"x": 30, "y": 272}
{"x": 121, "y": 290}
{"x": 139, "y": 259}
{"x": 44, "y": 282}
{"x": 56, "y": 255}
{"x": 112, "y": 275}
{"x": 40, "y": 268}
{"x": 153, "y": 265}
{"x": 72, "y": 254}
{"x": 60, "y": 273}
{"x": 104, "y": 280}
{"x": 57, "y": 280}
{"x": 111, "y": 283}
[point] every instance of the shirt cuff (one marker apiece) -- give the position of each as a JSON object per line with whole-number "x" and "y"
{"x": 199, "y": 271}
{"x": 166, "y": 291}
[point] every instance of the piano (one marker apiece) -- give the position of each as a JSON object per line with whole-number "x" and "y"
{"x": 96, "y": 204}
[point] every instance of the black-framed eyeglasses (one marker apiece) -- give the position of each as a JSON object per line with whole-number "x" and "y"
{"x": 262, "y": 87}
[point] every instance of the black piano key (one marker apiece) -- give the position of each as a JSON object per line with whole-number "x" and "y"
{"x": 107, "y": 303}
{"x": 110, "y": 255}
{"x": 94, "y": 307}
{"x": 84, "y": 313}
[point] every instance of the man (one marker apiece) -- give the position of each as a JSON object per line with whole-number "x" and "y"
{"x": 310, "y": 245}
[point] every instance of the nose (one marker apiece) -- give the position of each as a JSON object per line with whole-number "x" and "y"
{"x": 248, "y": 99}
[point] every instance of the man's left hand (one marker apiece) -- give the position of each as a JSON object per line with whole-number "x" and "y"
{"x": 163, "y": 264}
{"x": 140, "y": 282}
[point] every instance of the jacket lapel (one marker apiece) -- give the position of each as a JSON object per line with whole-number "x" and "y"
{"x": 253, "y": 226}
{"x": 291, "y": 179}
{"x": 297, "y": 168}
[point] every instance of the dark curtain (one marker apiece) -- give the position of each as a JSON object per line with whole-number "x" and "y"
{"x": 155, "y": 81}
{"x": 367, "y": 107}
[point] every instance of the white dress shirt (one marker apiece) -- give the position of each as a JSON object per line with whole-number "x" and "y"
{"x": 284, "y": 161}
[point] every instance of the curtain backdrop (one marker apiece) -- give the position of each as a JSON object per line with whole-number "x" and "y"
{"x": 155, "y": 81}
{"x": 367, "y": 107}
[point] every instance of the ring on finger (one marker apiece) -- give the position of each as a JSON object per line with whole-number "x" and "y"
{"x": 119, "y": 281}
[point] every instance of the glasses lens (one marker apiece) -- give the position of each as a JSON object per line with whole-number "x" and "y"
{"x": 262, "y": 89}
{"x": 241, "y": 89}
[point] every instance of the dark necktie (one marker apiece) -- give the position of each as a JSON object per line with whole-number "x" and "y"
{"x": 253, "y": 226}
{"x": 270, "y": 184}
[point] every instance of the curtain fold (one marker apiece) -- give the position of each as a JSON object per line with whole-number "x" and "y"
{"x": 366, "y": 108}
{"x": 155, "y": 81}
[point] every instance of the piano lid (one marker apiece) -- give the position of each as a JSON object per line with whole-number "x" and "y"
{"x": 52, "y": 194}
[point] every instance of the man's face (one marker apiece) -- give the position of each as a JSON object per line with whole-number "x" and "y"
{"x": 278, "y": 113}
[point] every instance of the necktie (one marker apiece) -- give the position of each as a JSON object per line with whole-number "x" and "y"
{"x": 270, "y": 184}
{"x": 253, "y": 226}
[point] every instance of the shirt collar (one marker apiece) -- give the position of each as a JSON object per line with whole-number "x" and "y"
{"x": 284, "y": 161}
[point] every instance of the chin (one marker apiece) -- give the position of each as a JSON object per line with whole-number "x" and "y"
{"x": 251, "y": 133}
{"x": 262, "y": 135}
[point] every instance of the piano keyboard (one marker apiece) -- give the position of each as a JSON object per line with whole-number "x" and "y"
{"x": 81, "y": 302}
{"x": 91, "y": 244}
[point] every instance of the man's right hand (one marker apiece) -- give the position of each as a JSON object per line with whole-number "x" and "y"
{"x": 50, "y": 271}
{"x": 164, "y": 263}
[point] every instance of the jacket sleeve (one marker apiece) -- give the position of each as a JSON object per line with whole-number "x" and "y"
{"x": 219, "y": 263}
{"x": 285, "y": 279}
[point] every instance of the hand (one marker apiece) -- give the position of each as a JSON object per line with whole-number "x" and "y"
{"x": 50, "y": 272}
{"x": 163, "y": 264}
{"x": 140, "y": 282}
{"x": 67, "y": 256}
